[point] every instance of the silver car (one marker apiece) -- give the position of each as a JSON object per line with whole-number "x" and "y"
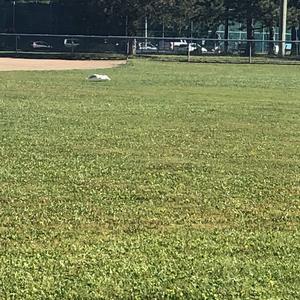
{"x": 40, "y": 45}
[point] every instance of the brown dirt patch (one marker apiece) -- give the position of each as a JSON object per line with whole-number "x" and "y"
{"x": 20, "y": 64}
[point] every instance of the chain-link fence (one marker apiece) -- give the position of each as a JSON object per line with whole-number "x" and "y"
{"x": 167, "y": 48}
{"x": 218, "y": 50}
{"x": 262, "y": 47}
{"x": 62, "y": 46}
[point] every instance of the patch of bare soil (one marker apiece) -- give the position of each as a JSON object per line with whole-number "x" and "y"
{"x": 20, "y": 64}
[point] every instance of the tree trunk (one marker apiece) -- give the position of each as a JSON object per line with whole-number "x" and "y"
{"x": 250, "y": 36}
{"x": 215, "y": 37}
{"x": 131, "y": 47}
{"x": 294, "y": 39}
{"x": 226, "y": 33}
{"x": 271, "y": 38}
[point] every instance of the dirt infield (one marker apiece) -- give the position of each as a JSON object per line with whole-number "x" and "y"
{"x": 19, "y": 64}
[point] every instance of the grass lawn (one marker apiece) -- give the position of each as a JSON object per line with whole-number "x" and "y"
{"x": 231, "y": 59}
{"x": 172, "y": 181}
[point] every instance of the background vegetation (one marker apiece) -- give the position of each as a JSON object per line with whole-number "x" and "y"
{"x": 92, "y": 16}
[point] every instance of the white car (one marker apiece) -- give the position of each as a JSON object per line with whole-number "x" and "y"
{"x": 71, "y": 43}
{"x": 180, "y": 43}
{"x": 288, "y": 48}
{"x": 40, "y": 45}
{"x": 147, "y": 48}
{"x": 192, "y": 47}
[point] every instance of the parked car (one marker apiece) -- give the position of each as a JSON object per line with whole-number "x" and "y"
{"x": 146, "y": 48}
{"x": 71, "y": 43}
{"x": 288, "y": 49}
{"x": 192, "y": 47}
{"x": 179, "y": 44}
{"x": 40, "y": 45}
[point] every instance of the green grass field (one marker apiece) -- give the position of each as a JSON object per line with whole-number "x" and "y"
{"x": 172, "y": 181}
{"x": 228, "y": 59}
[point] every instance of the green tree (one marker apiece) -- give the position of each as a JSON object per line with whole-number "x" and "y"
{"x": 293, "y": 22}
{"x": 269, "y": 17}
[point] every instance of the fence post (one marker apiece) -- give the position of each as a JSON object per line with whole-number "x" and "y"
{"x": 250, "y": 53}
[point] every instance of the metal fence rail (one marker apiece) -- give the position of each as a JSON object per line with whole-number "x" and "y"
{"x": 163, "y": 48}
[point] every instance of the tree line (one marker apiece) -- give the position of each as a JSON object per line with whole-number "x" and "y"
{"x": 206, "y": 14}
{"x": 202, "y": 15}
